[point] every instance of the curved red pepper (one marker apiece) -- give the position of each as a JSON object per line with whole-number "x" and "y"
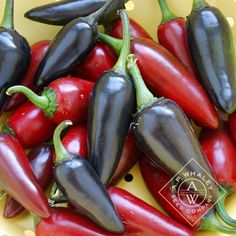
{"x": 38, "y": 51}
{"x": 75, "y": 142}
{"x": 155, "y": 179}
{"x": 102, "y": 58}
{"x": 63, "y": 99}
{"x": 136, "y": 30}
{"x": 17, "y": 178}
{"x": 220, "y": 151}
{"x": 141, "y": 219}
{"x": 41, "y": 162}
{"x": 232, "y": 125}
{"x": 67, "y": 222}
{"x": 172, "y": 35}
{"x": 29, "y": 125}
{"x": 167, "y": 77}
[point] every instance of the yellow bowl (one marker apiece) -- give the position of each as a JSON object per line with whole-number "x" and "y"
{"x": 147, "y": 13}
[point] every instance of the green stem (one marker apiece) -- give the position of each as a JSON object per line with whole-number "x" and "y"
{"x": 2, "y": 194}
{"x": 211, "y": 223}
{"x": 46, "y": 102}
{"x": 167, "y": 15}
{"x": 143, "y": 95}
{"x": 198, "y": 4}
{"x": 36, "y": 219}
{"x": 220, "y": 207}
{"x": 7, "y": 20}
{"x": 61, "y": 152}
{"x": 95, "y": 16}
{"x": 125, "y": 49}
{"x": 115, "y": 43}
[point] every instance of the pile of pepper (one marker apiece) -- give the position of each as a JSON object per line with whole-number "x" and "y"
{"x": 129, "y": 99}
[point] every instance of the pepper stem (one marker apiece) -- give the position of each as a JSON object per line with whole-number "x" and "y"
{"x": 121, "y": 63}
{"x": 115, "y": 43}
{"x": 46, "y": 102}
{"x": 211, "y": 223}
{"x": 36, "y": 219}
{"x": 143, "y": 95}
{"x": 220, "y": 207}
{"x": 198, "y": 4}
{"x": 167, "y": 15}
{"x": 95, "y": 16}
{"x": 61, "y": 152}
{"x": 7, "y": 20}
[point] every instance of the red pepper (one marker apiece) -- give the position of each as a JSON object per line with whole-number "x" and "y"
{"x": 17, "y": 178}
{"x": 63, "y": 99}
{"x": 75, "y": 141}
{"x": 41, "y": 161}
{"x": 167, "y": 77}
{"x": 102, "y": 58}
{"x": 141, "y": 219}
{"x": 29, "y": 125}
{"x": 65, "y": 222}
{"x": 136, "y": 30}
{"x": 156, "y": 178}
{"x": 38, "y": 51}
{"x": 220, "y": 151}
{"x": 172, "y": 35}
{"x": 232, "y": 125}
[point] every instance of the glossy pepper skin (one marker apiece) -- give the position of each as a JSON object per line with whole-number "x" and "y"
{"x": 14, "y": 54}
{"x": 167, "y": 77}
{"x": 172, "y": 35}
{"x": 141, "y": 219}
{"x": 70, "y": 46}
{"x": 220, "y": 150}
{"x": 41, "y": 162}
{"x": 68, "y": 222}
{"x": 136, "y": 30}
{"x": 211, "y": 45}
{"x": 164, "y": 134}
{"x": 78, "y": 181}
{"x": 17, "y": 178}
{"x": 232, "y": 125}
{"x": 64, "y": 98}
{"x": 29, "y": 125}
{"x": 155, "y": 178}
{"x": 38, "y": 51}
{"x": 102, "y": 58}
{"x": 75, "y": 142}
{"x": 61, "y": 13}
{"x": 110, "y": 112}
